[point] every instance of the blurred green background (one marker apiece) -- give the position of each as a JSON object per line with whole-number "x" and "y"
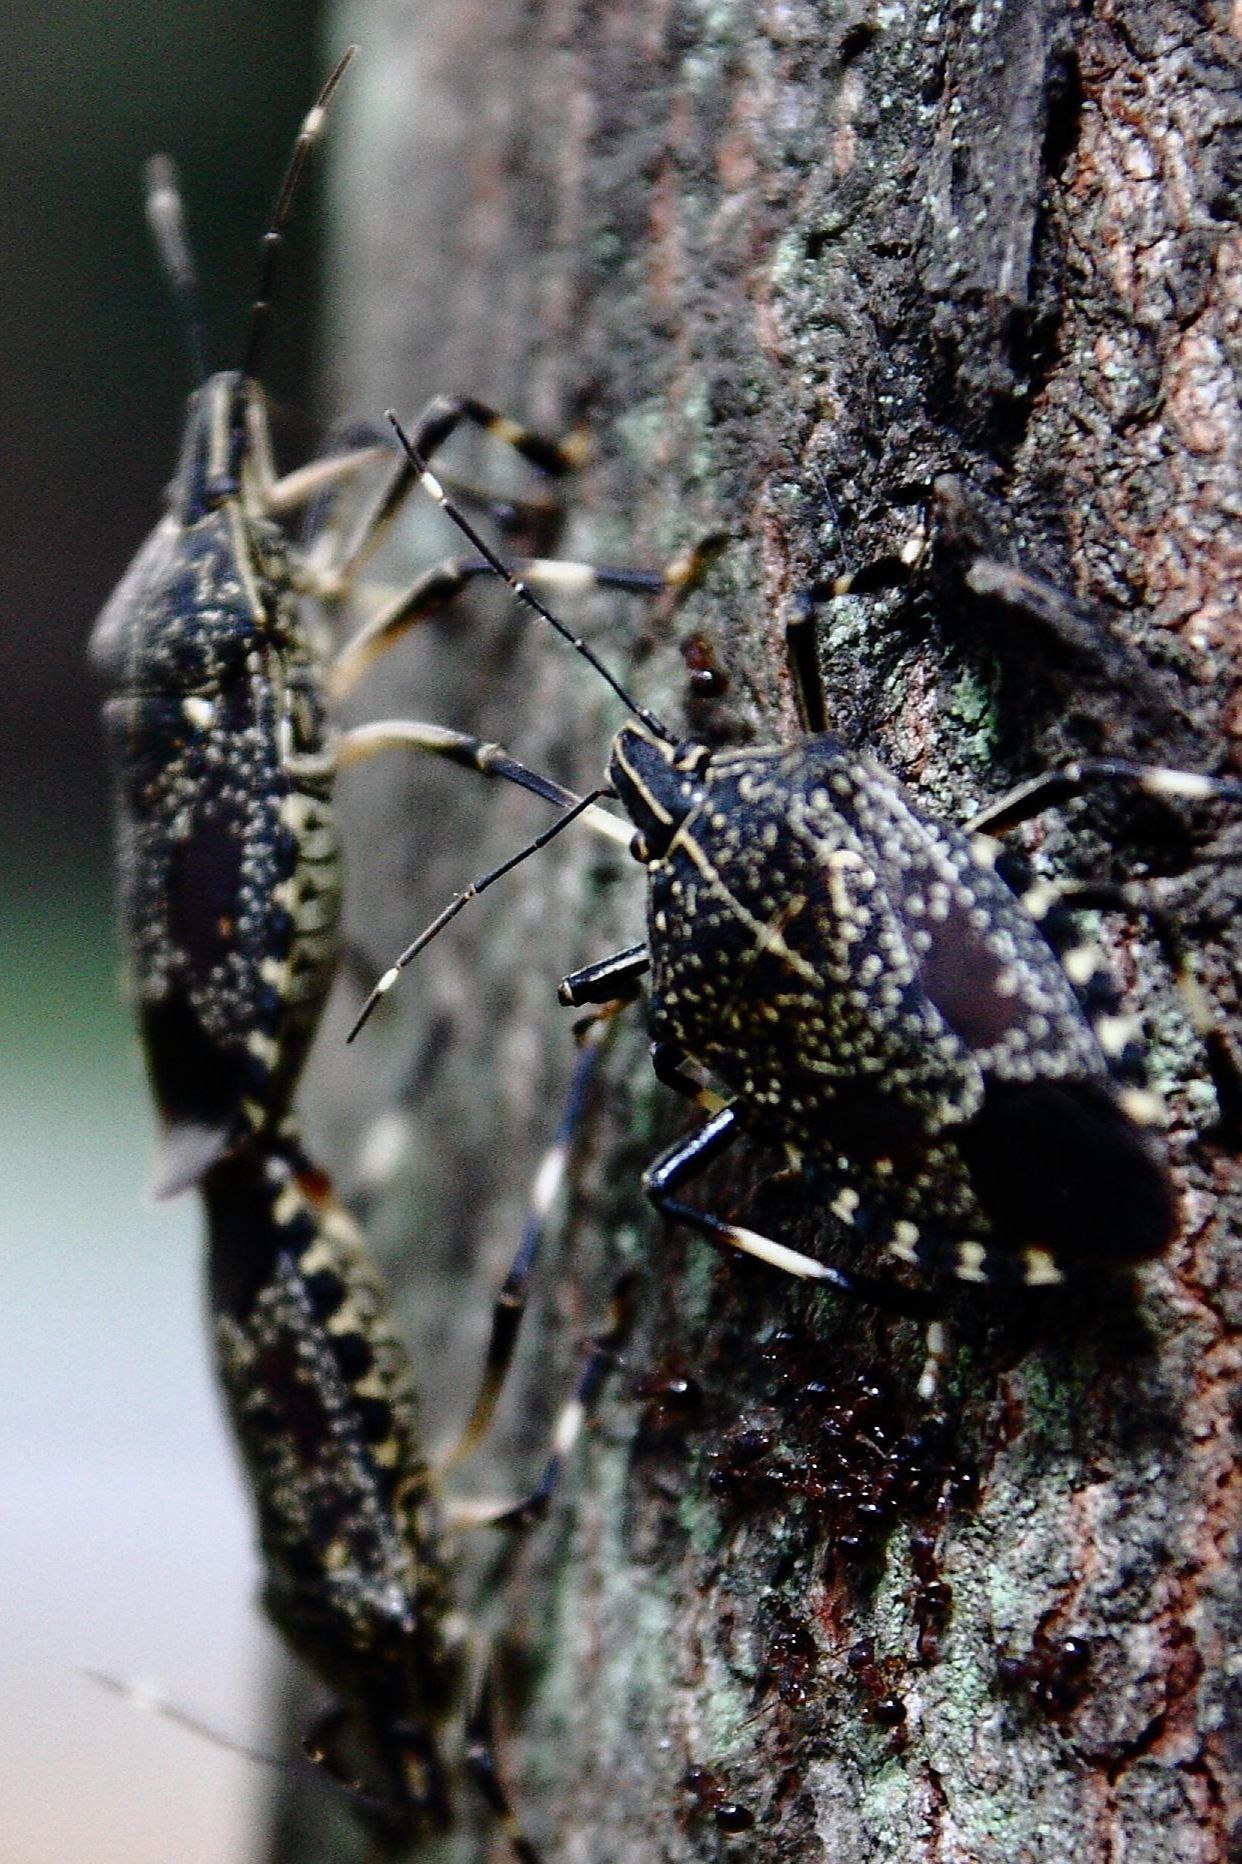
{"x": 124, "y": 1543}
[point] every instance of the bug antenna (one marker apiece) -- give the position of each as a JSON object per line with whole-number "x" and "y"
{"x": 520, "y": 589}
{"x": 140, "y": 1697}
{"x": 462, "y": 899}
{"x": 166, "y": 219}
{"x": 273, "y": 239}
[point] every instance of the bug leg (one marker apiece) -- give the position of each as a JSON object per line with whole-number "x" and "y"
{"x": 438, "y": 421}
{"x": 317, "y": 478}
{"x": 1052, "y": 905}
{"x": 480, "y": 1759}
{"x": 1058, "y": 786}
{"x": 604, "y": 1353}
{"x": 608, "y": 980}
{"x": 510, "y": 1304}
{"x": 491, "y": 760}
{"x": 436, "y": 588}
{"x": 690, "y": 1155}
{"x": 374, "y": 438}
{"x": 1116, "y": 1032}
{"x": 891, "y": 571}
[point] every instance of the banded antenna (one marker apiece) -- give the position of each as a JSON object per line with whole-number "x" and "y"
{"x": 166, "y": 218}
{"x": 432, "y": 486}
{"x": 308, "y": 135}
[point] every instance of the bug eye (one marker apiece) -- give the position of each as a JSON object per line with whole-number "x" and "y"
{"x": 690, "y": 756}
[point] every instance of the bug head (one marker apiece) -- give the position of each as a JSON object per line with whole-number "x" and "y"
{"x": 156, "y": 631}
{"x": 658, "y": 784}
{"x": 225, "y": 421}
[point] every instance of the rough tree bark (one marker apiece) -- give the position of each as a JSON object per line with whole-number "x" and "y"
{"x": 799, "y": 265}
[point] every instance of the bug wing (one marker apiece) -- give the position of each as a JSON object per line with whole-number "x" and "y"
{"x": 1055, "y": 1157}
{"x": 979, "y": 956}
{"x": 204, "y": 855}
{"x": 780, "y": 963}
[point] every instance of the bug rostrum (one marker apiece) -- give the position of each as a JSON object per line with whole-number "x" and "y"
{"x": 875, "y": 997}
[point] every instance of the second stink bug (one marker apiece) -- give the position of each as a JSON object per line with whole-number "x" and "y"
{"x": 875, "y": 997}
{"x": 221, "y": 680}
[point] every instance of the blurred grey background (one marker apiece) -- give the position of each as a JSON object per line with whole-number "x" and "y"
{"x": 123, "y": 1539}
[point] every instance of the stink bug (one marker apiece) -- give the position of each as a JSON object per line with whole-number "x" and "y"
{"x": 224, "y": 761}
{"x": 352, "y": 1524}
{"x": 223, "y": 766}
{"x": 319, "y": 1392}
{"x": 877, "y": 998}
{"x": 219, "y": 727}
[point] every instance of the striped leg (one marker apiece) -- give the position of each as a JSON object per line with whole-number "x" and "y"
{"x": 689, "y": 1156}
{"x": 1058, "y": 786}
{"x": 438, "y": 587}
{"x": 490, "y": 760}
{"x": 510, "y": 1303}
{"x": 1083, "y": 964}
{"x": 439, "y": 420}
{"x": 604, "y": 1353}
{"x": 1052, "y": 905}
{"x": 315, "y": 481}
{"x": 480, "y": 1758}
{"x": 371, "y": 441}
{"x": 441, "y": 585}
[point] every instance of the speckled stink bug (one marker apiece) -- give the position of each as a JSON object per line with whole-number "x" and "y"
{"x": 877, "y": 999}
{"x": 353, "y": 1526}
{"x": 222, "y": 763}
{"x": 319, "y": 1392}
{"x": 218, "y": 723}
{"x": 224, "y": 760}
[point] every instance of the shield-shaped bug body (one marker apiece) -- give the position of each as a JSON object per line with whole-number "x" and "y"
{"x": 224, "y": 763}
{"x": 878, "y": 999}
{"x": 324, "y": 1410}
{"x": 222, "y": 759}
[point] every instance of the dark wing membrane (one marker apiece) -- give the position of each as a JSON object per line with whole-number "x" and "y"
{"x": 205, "y": 852}
{"x": 1054, "y": 1158}
{"x": 979, "y": 955}
{"x": 1058, "y": 1164}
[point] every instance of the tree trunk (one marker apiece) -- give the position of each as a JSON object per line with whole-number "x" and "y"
{"x": 823, "y": 277}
